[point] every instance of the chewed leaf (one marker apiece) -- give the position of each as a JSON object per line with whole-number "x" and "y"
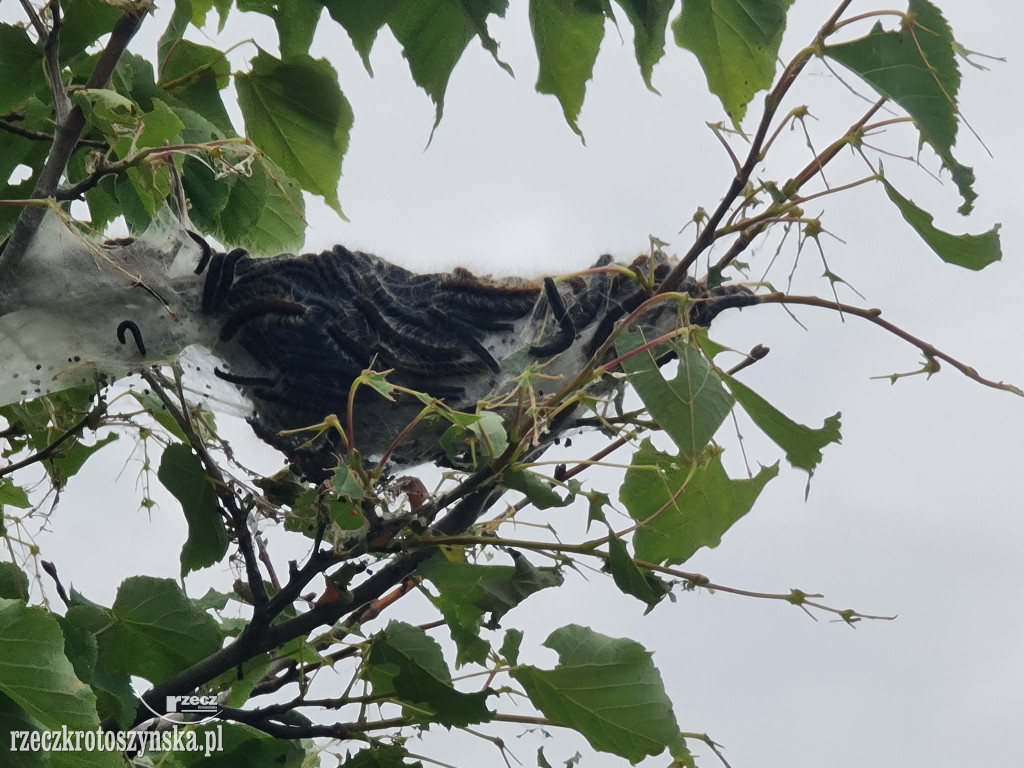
{"x": 802, "y": 444}
{"x": 682, "y": 505}
{"x": 737, "y": 45}
{"x": 692, "y": 406}
{"x": 406, "y": 664}
{"x": 916, "y": 67}
{"x": 643, "y": 585}
{"x": 970, "y": 251}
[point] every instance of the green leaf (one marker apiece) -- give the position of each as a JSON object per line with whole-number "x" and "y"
{"x": 467, "y": 592}
{"x": 682, "y": 505}
{"x": 970, "y": 251}
{"x": 85, "y": 22}
{"x": 21, "y": 68}
{"x": 433, "y": 35}
{"x": 296, "y": 23}
{"x": 536, "y": 488}
{"x": 264, "y": 212}
{"x": 643, "y": 585}
{"x": 381, "y": 756}
{"x": 37, "y": 676}
{"x": 159, "y": 412}
{"x": 407, "y": 664}
{"x": 649, "y": 19}
{"x": 80, "y": 647}
{"x": 69, "y": 458}
{"x": 568, "y": 35}
{"x": 477, "y": 11}
{"x": 14, "y": 718}
{"x": 510, "y": 646}
{"x": 596, "y": 502}
{"x": 208, "y": 194}
{"x": 295, "y": 112}
{"x": 107, "y": 110}
{"x": 481, "y": 436}
{"x": 916, "y": 67}
{"x": 156, "y": 630}
{"x": 12, "y": 495}
{"x": 241, "y": 746}
{"x": 13, "y": 581}
{"x": 605, "y": 688}
{"x": 692, "y": 406}
{"x": 295, "y": 20}
{"x": 802, "y": 444}
{"x": 737, "y": 45}
{"x": 362, "y": 21}
{"x": 183, "y": 475}
{"x": 194, "y": 75}
{"x": 173, "y": 33}
{"x": 15, "y": 151}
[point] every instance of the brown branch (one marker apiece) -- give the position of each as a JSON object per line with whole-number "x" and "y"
{"x": 873, "y": 315}
{"x": 475, "y": 495}
{"x": 239, "y": 518}
{"x": 771, "y": 104}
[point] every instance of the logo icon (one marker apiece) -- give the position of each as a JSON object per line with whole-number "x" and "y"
{"x": 198, "y": 708}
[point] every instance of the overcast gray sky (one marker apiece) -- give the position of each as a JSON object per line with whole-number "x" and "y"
{"x": 915, "y": 514}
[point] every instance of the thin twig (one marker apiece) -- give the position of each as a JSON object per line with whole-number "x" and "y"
{"x": 223, "y": 490}
{"x": 90, "y": 418}
{"x": 873, "y": 315}
{"x": 13, "y": 127}
{"x": 51, "y": 55}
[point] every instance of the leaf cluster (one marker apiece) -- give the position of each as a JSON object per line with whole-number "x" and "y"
{"x": 128, "y": 134}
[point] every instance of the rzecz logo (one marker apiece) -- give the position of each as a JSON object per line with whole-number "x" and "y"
{"x": 198, "y": 708}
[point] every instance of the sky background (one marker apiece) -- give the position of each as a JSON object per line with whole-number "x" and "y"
{"x": 917, "y": 513}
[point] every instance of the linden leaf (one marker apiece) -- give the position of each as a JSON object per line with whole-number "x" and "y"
{"x": 607, "y": 689}
{"x": 295, "y": 112}
{"x": 737, "y": 45}
{"x": 682, "y": 505}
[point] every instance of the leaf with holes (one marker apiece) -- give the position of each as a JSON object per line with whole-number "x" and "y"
{"x": 737, "y": 45}
{"x": 682, "y": 504}
{"x": 692, "y": 406}
{"x": 916, "y": 67}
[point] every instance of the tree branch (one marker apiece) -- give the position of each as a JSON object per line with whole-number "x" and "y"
{"x": 10, "y": 125}
{"x": 65, "y": 140}
{"x": 873, "y": 315}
